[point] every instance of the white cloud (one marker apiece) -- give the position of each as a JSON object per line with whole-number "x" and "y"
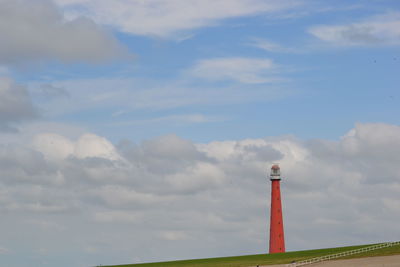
{"x": 377, "y": 30}
{"x": 176, "y": 119}
{"x": 270, "y": 46}
{"x": 194, "y": 178}
{"x": 57, "y": 147}
{"x": 90, "y": 145}
{"x": 167, "y": 18}
{"x": 53, "y": 146}
{"x": 244, "y": 70}
{"x": 143, "y": 196}
{"x": 129, "y": 95}
{"x": 173, "y": 235}
{"x": 37, "y": 31}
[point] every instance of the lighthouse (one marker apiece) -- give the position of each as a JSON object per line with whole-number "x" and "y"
{"x": 276, "y": 233}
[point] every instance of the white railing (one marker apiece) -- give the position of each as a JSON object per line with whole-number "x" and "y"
{"x": 342, "y": 254}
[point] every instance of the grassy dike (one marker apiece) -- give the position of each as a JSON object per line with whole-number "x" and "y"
{"x": 266, "y": 259}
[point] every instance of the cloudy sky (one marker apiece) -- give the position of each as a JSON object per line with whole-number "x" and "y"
{"x": 143, "y": 130}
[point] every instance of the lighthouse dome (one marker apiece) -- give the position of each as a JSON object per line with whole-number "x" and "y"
{"x": 275, "y": 167}
{"x": 275, "y": 172}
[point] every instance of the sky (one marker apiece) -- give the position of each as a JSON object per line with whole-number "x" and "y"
{"x": 143, "y": 130}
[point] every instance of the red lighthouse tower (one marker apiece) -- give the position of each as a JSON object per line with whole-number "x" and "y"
{"x": 276, "y": 234}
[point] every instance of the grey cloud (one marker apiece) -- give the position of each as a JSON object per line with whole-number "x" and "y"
{"x": 369, "y": 150}
{"x": 359, "y": 35}
{"x": 4, "y": 250}
{"x": 37, "y": 31}
{"x": 50, "y": 91}
{"x": 378, "y": 30}
{"x": 164, "y": 155}
{"x": 15, "y": 105}
{"x": 22, "y": 159}
{"x": 201, "y": 200}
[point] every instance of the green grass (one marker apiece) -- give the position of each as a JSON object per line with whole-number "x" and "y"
{"x": 267, "y": 259}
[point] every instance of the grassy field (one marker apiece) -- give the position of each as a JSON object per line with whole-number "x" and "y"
{"x": 266, "y": 259}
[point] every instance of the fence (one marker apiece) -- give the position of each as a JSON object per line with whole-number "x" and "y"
{"x": 342, "y": 254}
